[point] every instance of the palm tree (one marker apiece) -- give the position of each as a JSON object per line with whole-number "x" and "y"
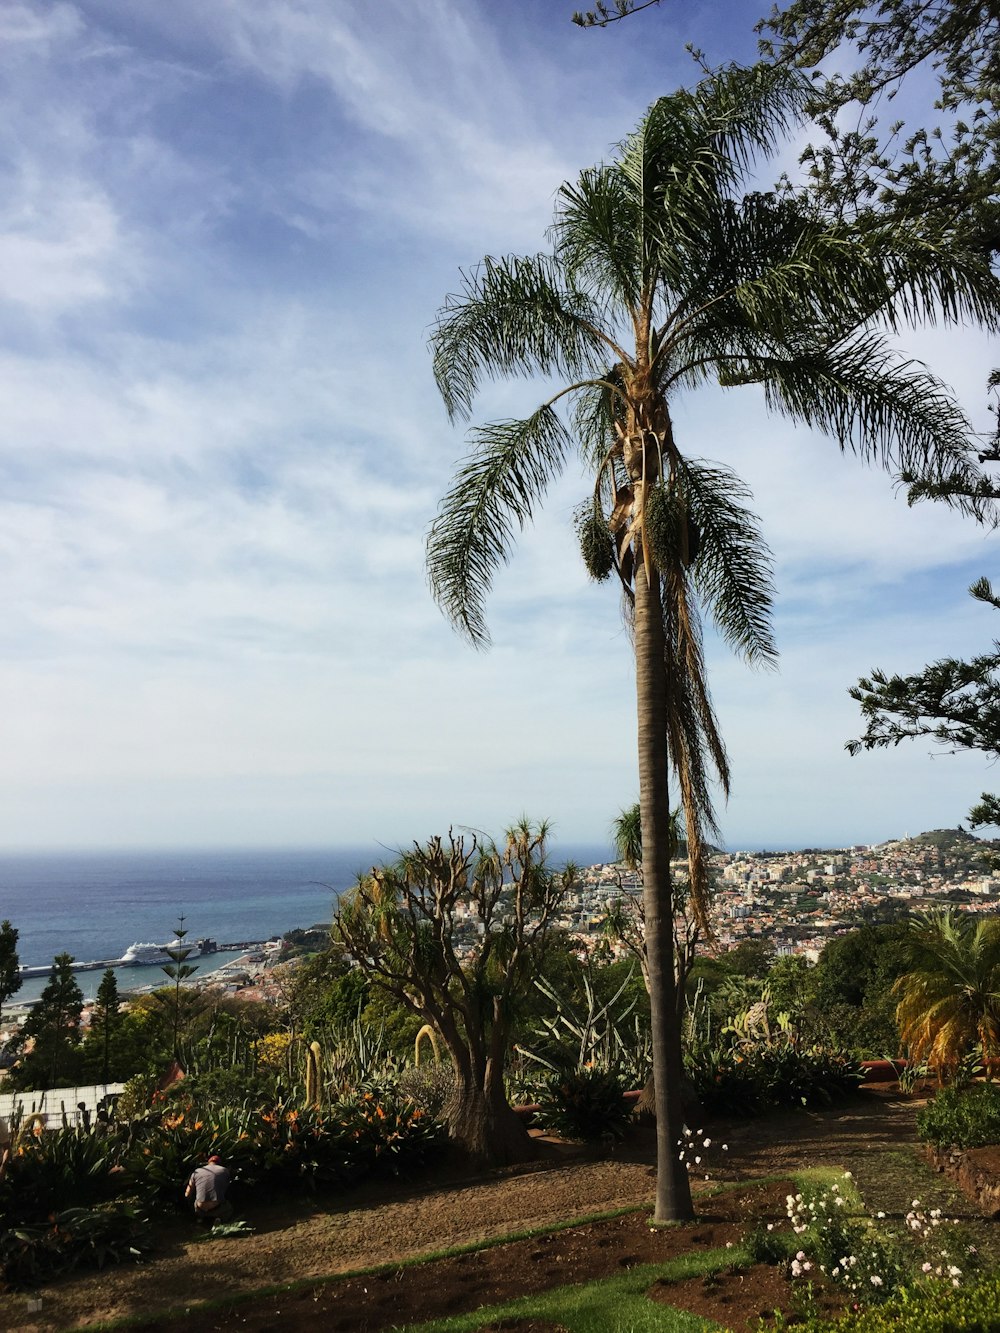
{"x": 662, "y": 276}
{"x": 950, "y": 999}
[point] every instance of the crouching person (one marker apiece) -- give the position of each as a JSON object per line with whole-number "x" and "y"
{"x": 209, "y": 1185}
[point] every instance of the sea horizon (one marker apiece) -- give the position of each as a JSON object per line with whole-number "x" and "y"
{"x": 95, "y": 904}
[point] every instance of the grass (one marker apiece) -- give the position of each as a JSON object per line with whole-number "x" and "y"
{"x": 620, "y": 1304}
{"x": 614, "y": 1305}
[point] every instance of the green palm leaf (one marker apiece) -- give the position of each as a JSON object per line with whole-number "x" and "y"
{"x": 514, "y": 316}
{"x": 733, "y": 570}
{"x": 494, "y": 494}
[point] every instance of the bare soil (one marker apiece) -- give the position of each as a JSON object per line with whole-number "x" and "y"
{"x": 308, "y": 1244}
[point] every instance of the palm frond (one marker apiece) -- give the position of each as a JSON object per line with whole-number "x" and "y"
{"x": 929, "y": 281}
{"x": 494, "y": 494}
{"x": 732, "y": 571}
{"x": 597, "y": 234}
{"x": 750, "y": 111}
{"x": 514, "y": 316}
{"x": 593, "y": 414}
{"x": 870, "y": 401}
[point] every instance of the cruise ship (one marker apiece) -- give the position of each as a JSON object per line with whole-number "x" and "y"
{"x": 136, "y": 955}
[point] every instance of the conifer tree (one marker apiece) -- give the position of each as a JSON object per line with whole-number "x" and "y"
{"x": 10, "y": 972}
{"x": 178, "y": 970}
{"x": 54, "y": 1023}
{"x": 105, "y": 1017}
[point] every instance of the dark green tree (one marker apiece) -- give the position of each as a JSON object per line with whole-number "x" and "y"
{"x": 10, "y": 970}
{"x": 955, "y": 703}
{"x": 940, "y": 172}
{"x": 105, "y": 1016}
{"x": 663, "y": 275}
{"x": 853, "y": 987}
{"x": 54, "y": 1025}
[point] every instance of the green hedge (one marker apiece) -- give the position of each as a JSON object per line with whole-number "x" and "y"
{"x": 962, "y": 1117}
{"x": 931, "y": 1309}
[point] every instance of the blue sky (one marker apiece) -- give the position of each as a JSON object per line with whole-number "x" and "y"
{"x": 224, "y": 233}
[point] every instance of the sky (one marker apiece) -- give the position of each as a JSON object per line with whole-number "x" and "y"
{"x": 225, "y": 231}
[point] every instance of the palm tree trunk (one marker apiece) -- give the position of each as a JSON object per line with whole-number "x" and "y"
{"x": 673, "y": 1191}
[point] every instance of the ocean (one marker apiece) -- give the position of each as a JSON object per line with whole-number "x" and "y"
{"x": 95, "y": 904}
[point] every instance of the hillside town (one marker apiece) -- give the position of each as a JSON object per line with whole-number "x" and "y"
{"x": 798, "y": 900}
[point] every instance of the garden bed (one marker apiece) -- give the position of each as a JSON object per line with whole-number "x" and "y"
{"x": 303, "y": 1242}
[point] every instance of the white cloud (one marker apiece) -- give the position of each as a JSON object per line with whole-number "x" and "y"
{"x": 225, "y": 232}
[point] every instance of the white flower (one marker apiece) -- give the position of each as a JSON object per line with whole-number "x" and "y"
{"x": 708, "y": 1177}
{"x": 707, "y": 1143}
{"x": 725, "y": 1147}
{"x": 729, "y": 1244}
{"x": 925, "y": 1268}
{"x": 697, "y": 1161}
{"x": 953, "y": 1271}
{"x": 915, "y": 1204}
{"x": 770, "y": 1226}
{"x": 955, "y": 1282}
{"x": 796, "y": 1268}
{"x": 875, "y": 1280}
{"x": 880, "y": 1214}
{"x": 835, "y": 1273}
{"x": 800, "y": 1256}
{"x": 848, "y": 1175}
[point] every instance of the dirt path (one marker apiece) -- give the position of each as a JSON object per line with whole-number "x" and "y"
{"x": 303, "y": 1241}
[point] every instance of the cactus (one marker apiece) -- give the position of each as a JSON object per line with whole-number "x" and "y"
{"x": 428, "y": 1032}
{"x": 314, "y": 1053}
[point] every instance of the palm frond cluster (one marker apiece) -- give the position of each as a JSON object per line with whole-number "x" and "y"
{"x": 664, "y": 273}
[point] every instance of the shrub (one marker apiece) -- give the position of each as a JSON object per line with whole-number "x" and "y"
{"x": 587, "y": 1104}
{"x": 136, "y": 1097}
{"x": 283, "y": 1146}
{"x": 931, "y": 1309}
{"x": 31, "y": 1253}
{"x": 428, "y": 1087}
{"x": 749, "y": 1078}
{"x": 850, "y": 1251}
{"x": 217, "y": 1088}
{"x": 962, "y": 1117}
{"x": 47, "y": 1170}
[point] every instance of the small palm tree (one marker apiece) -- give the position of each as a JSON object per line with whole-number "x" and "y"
{"x": 663, "y": 275}
{"x": 626, "y": 919}
{"x": 950, "y": 1001}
